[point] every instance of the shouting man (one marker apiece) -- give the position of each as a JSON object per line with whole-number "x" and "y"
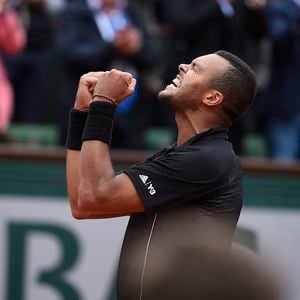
{"x": 189, "y": 195}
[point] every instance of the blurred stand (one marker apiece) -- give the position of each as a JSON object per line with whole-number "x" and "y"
{"x": 280, "y": 104}
{"x": 12, "y": 41}
{"x": 30, "y": 71}
{"x": 99, "y": 35}
{"x": 90, "y": 37}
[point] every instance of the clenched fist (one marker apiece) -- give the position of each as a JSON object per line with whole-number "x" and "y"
{"x": 114, "y": 85}
{"x": 85, "y": 90}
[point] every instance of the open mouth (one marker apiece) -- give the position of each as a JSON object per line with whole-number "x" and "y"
{"x": 176, "y": 82}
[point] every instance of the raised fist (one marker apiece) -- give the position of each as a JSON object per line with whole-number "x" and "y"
{"x": 85, "y": 90}
{"x": 114, "y": 85}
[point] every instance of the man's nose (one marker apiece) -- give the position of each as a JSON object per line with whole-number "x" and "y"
{"x": 183, "y": 68}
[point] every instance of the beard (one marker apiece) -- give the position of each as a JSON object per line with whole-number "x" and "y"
{"x": 178, "y": 102}
{"x": 164, "y": 96}
{"x": 167, "y": 98}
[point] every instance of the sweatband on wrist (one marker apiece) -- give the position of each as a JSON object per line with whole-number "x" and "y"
{"x": 99, "y": 123}
{"x": 77, "y": 120}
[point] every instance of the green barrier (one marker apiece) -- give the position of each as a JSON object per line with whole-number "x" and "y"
{"x": 43, "y": 178}
{"x": 46, "y": 134}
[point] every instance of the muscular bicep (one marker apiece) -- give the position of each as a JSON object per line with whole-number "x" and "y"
{"x": 113, "y": 198}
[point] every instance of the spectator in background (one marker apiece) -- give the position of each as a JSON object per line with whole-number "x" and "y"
{"x": 195, "y": 27}
{"x": 29, "y": 71}
{"x": 12, "y": 41}
{"x": 247, "y": 33}
{"x": 101, "y": 35}
{"x": 281, "y": 112}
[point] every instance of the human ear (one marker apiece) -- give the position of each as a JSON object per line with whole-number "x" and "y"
{"x": 213, "y": 98}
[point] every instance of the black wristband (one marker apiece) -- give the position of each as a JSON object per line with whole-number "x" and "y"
{"x": 99, "y": 123}
{"x": 77, "y": 120}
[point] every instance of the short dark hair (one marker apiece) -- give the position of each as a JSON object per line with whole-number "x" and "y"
{"x": 237, "y": 84}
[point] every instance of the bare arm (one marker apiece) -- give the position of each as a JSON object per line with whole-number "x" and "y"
{"x": 94, "y": 190}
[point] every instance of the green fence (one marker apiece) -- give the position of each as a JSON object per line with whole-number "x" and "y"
{"x": 37, "y": 172}
{"x": 42, "y": 177}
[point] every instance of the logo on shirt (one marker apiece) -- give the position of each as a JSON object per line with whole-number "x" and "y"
{"x": 149, "y": 185}
{"x": 144, "y": 178}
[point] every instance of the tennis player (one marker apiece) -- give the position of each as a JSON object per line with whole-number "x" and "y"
{"x": 187, "y": 195}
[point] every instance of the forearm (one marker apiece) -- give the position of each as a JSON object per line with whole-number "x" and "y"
{"x": 82, "y": 175}
{"x": 74, "y": 181}
{"x": 77, "y": 120}
{"x": 95, "y": 171}
{"x": 101, "y": 194}
{"x": 72, "y": 167}
{"x": 95, "y": 167}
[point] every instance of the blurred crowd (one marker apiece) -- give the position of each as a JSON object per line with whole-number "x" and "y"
{"x": 46, "y": 45}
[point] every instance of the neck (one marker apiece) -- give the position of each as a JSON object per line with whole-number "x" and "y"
{"x": 191, "y": 123}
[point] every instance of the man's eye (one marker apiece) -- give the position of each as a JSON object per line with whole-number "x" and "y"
{"x": 194, "y": 68}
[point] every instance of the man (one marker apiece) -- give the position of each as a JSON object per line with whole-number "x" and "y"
{"x": 187, "y": 195}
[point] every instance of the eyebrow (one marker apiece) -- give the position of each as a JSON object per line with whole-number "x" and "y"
{"x": 196, "y": 65}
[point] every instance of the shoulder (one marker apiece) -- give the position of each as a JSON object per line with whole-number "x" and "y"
{"x": 207, "y": 153}
{"x": 205, "y": 161}
{"x": 193, "y": 163}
